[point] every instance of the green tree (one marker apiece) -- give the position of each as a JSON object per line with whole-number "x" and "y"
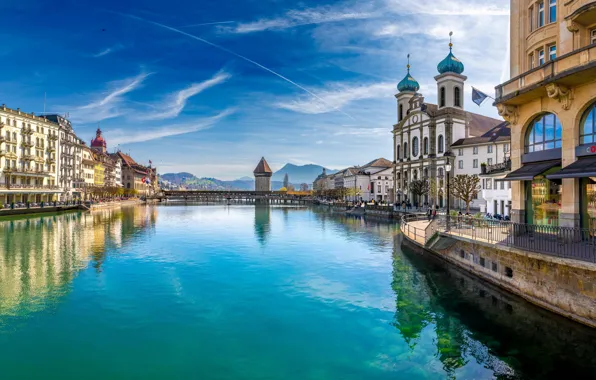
{"x": 466, "y": 188}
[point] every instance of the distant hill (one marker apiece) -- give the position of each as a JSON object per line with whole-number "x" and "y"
{"x": 300, "y": 174}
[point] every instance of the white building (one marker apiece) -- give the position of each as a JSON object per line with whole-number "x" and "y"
{"x": 28, "y": 146}
{"x": 117, "y": 169}
{"x": 88, "y": 165}
{"x": 424, "y": 133}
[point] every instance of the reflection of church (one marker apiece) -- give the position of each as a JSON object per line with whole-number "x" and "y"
{"x": 262, "y": 222}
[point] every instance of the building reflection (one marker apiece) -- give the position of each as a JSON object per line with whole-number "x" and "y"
{"x": 40, "y": 256}
{"x": 476, "y": 321}
{"x": 262, "y": 222}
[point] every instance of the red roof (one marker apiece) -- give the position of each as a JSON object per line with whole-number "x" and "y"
{"x": 98, "y": 141}
{"x": 262, "y": 167}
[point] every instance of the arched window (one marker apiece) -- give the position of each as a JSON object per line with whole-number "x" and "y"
{"x": 588, "y": 126}
{"x": 457, "y": 96}
{"x": 441, "y": 146}
{"x": 415, "y": 147}
{"x": 442, "y": 97}
{"x": 545, "y": 132}
{"x": 426, "y": 145}
{"x": 399, "y": 152}
{"x": 406, "y": 153}
{"x": 401, "y": 112}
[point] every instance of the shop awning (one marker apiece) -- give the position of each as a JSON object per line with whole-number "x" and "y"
{"x": 528, "y": 171}
{"x": 584, "y": 167}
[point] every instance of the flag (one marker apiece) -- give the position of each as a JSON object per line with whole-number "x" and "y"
{"x": 150, "y": 162}
{"x": 478, "y": 96}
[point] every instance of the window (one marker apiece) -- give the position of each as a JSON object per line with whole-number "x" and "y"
{"x": 425, "y": 173}
{"x": 502, "y": 185}
{"x": 552, "y": 11}
{"x": 415, "y": 146}
{"x": 475, "y": 150}
{"x": 531, "y": 18}
{"x": 545, "y": 132}
{"x": 442, "y": 97}
{"x": 489, "y": 149}
{"x": 406, "y": 153}
{"x": 541, "y": 14}
{"x": 593, "y": 36}
{"x": 489, "y": 183}
{"x": 460, "y": 152}
{"x": 552, "y": 52}
{"x": 540, "y": 57}
{"x": 399, "y": 152}
{"x": 457, "y": 95}
{"x": 489, "y": 161}
{"x": 588, "y": 126}
{"x": 426, "y": 145}
{"x": 440, "y": 172}
{"x": 506, "y": 148}
{"x": 475, "y": 163}
{"x": 531, "y": 61}
{"x": 460, "y": 164}
{"x": 401, "y": 112}
{"x": 441, "y": 144}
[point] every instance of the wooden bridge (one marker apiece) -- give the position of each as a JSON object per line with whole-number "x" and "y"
{"x": 233, "y": 197}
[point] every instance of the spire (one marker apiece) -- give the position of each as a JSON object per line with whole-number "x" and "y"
{"x": 408, "y": 83}
{"x": 450, "y": 64}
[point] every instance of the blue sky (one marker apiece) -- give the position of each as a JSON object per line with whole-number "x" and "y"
{"x": 211, "y": 86}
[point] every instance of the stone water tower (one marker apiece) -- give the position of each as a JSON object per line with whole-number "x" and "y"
{"x": 263, "y": 175}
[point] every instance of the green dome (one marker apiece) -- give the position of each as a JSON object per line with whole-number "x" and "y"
{"x": 408, "y": 83}
{"x": 450, "y": 64}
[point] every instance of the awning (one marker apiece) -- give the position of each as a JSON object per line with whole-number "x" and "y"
{"x": 584, "y": 167}
{"x": 528, "y": 171}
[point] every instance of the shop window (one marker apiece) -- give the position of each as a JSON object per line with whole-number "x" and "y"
{"x": 545, "y": 132}
{"x": 588, "y": 126}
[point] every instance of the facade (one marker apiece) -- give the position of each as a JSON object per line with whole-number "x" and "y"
{"x": 488, "y": 157}
{"x": 138, "y": 177}
{"x": 28, "y": 158}
{"x": 88, "y": 170}
{"x": 117, "y": 169}
{"x": 99, "y": 171}
{"x": 69, "y": 159}
{"x": 550, "y": 102}
{"x": 263, "y": 175}
{"x": 424, "y": 133}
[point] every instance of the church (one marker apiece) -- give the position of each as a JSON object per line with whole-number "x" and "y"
{"x": 425, "y": 133}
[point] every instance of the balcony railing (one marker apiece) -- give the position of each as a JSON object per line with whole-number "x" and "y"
{"x": 27, "y": 186}
{"x": 52, "y": 137}
{"x": 51, "y": 149}
{"x": 27, "y": 131}
{"x": 563, "y": 66}
{"x": 28, "y": 144}
{"x": 497, "y": 168}
{"x": 29, "y": 157}
{"x": 51, "y": 160}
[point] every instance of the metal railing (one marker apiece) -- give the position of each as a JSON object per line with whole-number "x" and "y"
{"x": 565, "y": 242}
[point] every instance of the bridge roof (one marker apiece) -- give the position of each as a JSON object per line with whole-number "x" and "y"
{"x": 262, "y": 167}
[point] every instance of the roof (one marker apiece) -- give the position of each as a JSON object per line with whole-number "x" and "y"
{"x": 128, "y": 161}
{"x": 480, "y": 124}
{"x": 262, "y": 167}
{"x": 379, "y": 163}
{"x": 501, "y": 132}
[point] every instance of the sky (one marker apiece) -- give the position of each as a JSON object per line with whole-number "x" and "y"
{"x": 209, "y": 87}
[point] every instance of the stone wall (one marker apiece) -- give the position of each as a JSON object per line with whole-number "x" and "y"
{"x": 567, "y": 287}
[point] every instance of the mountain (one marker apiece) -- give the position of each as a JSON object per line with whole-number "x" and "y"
{"x": 245, "y": 178}
{"x": 190, "y": 181}
{"x": 300, "y": 174}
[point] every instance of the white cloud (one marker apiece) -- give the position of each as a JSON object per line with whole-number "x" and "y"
{"x": 110, "y": 104}
{"x": 337, "y": 97}
{"x": 450, "y": 8}
{"x": 118, "y": 137}
{"x": 108, "y": 50}
{"x": 176, "y": 102}
{"x": 294, "y": 18}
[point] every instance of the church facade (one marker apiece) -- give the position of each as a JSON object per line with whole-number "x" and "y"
{"x": 424, "y": 133}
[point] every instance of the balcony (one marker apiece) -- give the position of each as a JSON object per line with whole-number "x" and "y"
{"x": 497, "y": 168}
{"x": 67, "y": 141}
{"x": 51, "y": 160}
{"x": 582, "y": 12}
{"x": 19, "y": 186}
{"x": 51, "y": 149}
{"x": 3, "y": 152}
{"x": 27, "y": 144}
{"x": 27, "y": 131}
{"x": 568, "y": 70}
{"x": 52, "y": 137}
{"x": 29, "y": 157}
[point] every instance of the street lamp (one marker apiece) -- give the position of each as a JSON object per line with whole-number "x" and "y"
{"x": 448, "y": 170}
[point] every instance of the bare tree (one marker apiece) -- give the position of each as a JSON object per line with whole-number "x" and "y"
{"x": 419, "y": 187}
{"x": 466, "y": 188}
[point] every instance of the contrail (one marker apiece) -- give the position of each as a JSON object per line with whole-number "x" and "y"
{"x": 237, "y": 55}
{"x": 208, "y": 23}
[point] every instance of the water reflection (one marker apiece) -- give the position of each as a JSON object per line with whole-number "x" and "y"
{"x": 262, "y": 222}
{"x": 40, "y": 256}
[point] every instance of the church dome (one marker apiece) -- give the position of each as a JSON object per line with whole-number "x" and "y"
{"x": 408, "y": 83}
{"x": 98, "y": 141}
{"x": 450, "y": 64}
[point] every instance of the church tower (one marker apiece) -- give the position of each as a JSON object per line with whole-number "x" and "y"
{"x": 98, "y": 143}
{"x": 263, "y": 175}
{"x": 450, "y": 81}
{"x": 407, "y": 89}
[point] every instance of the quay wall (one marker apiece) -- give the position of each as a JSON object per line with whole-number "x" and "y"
{"x": 564, "y": 286}
{"x": 37, "y": 210}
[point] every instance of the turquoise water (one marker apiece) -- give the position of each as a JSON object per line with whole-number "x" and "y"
{"x": 243, "y": 292}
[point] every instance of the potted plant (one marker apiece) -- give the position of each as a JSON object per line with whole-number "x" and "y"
{"x": 483, "y": 168}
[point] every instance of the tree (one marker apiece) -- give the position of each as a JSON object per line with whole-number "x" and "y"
{"x": 286, "y": 181}
{"x": 304, "y": 187}
{"x": 419, "y": 187}
{"x": 353, "y": 193}
{"x": 466, "y": 188}
{"x": 291, "y": 187}
{"x": 434, "y": 191}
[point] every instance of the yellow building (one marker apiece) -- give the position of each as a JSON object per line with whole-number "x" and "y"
{"x": 98, "y": 173}
{"x": 550, "y": 102}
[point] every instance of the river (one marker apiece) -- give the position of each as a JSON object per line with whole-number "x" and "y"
{"x": 244, "y": 292}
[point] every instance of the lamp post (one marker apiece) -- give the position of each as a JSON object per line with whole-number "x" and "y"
{"x": 448, "y": 170}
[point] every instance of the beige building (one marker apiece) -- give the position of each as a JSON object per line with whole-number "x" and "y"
{"x": 550, "y": 102}
{"x": 88, "y": 171}
{"x": 28, "y": 158}
{"x": 138, "y": 177}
